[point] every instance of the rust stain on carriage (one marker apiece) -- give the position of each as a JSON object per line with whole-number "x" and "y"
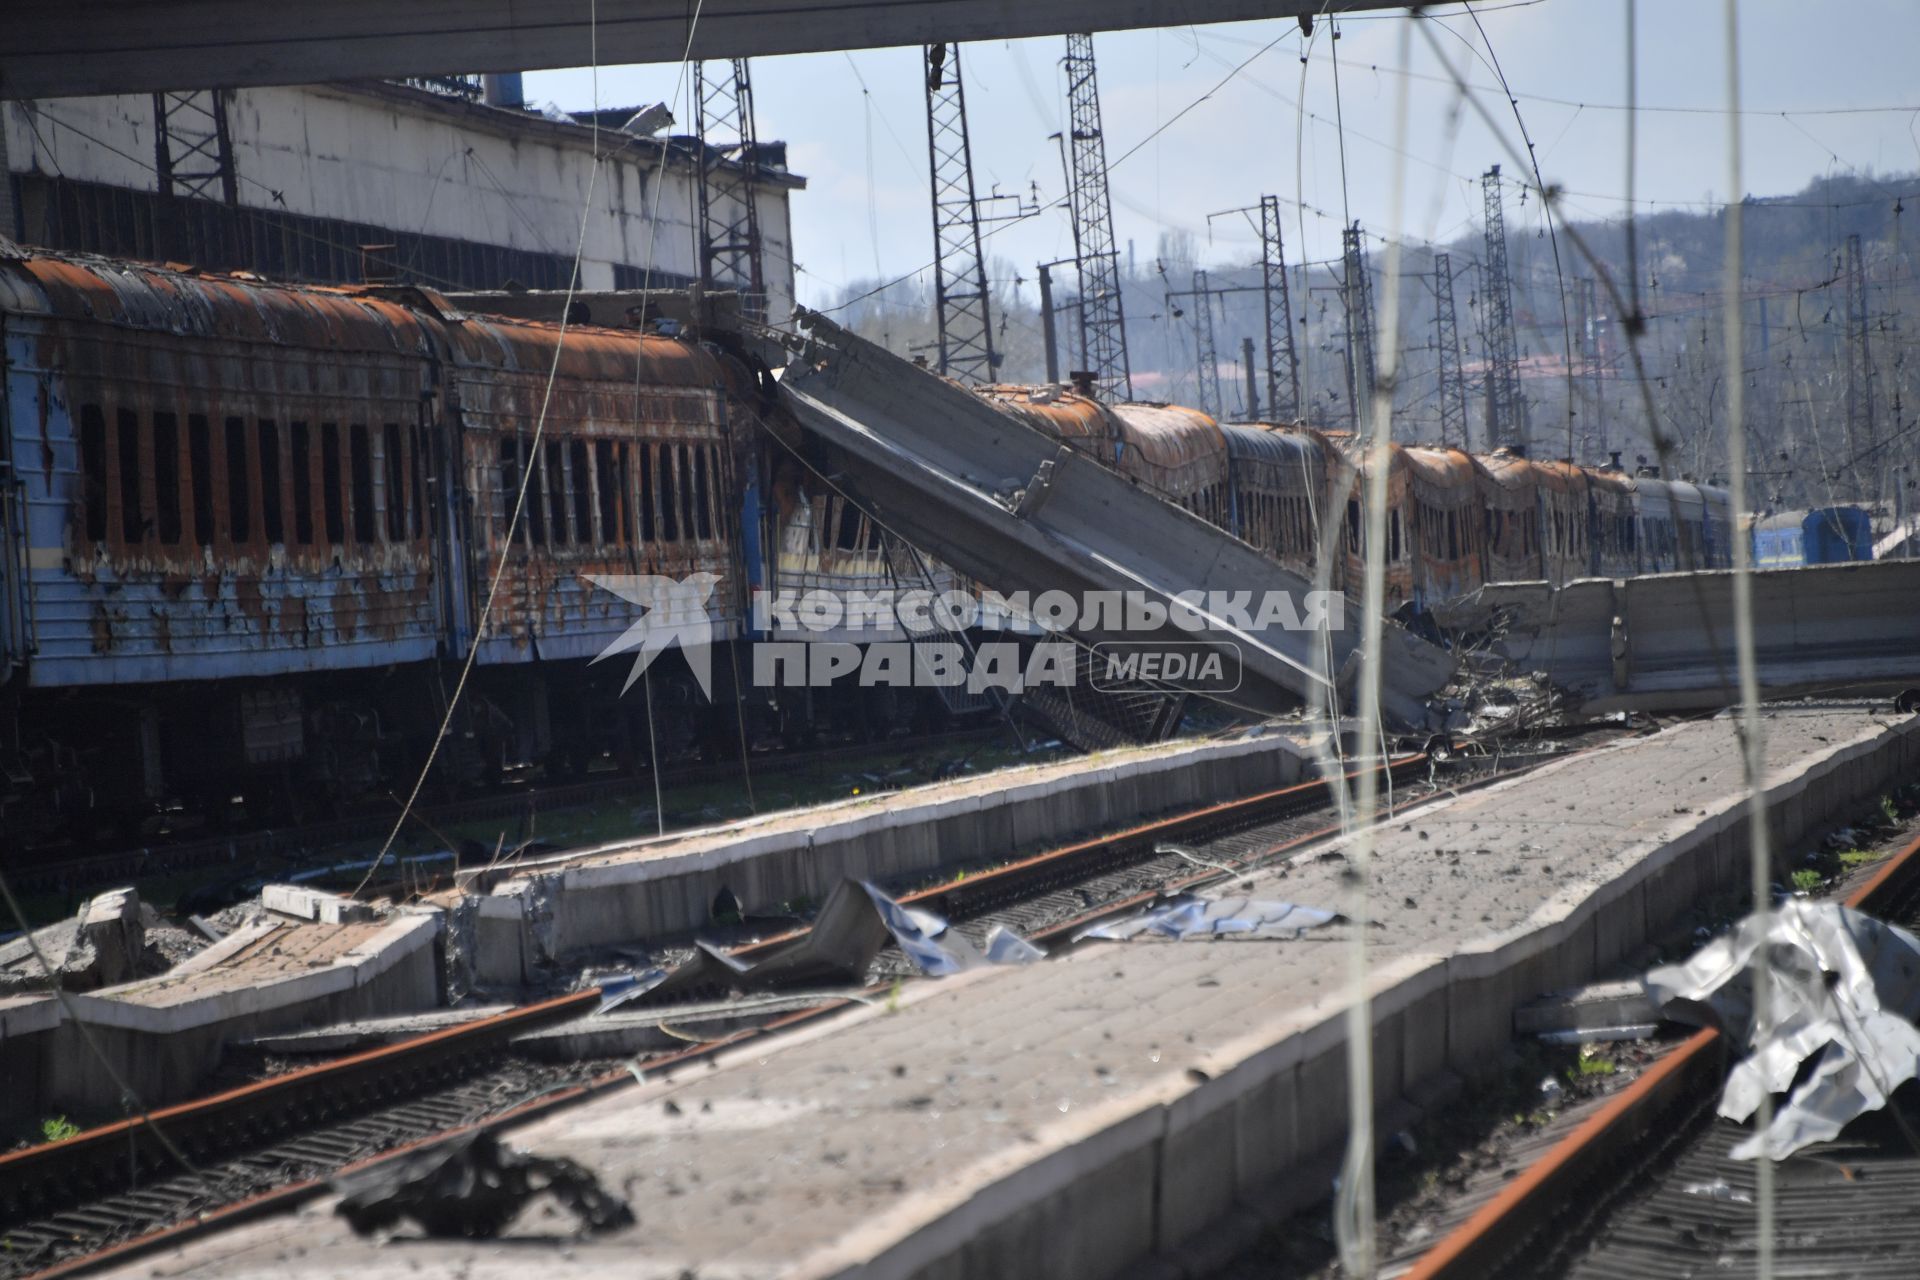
{"x": 346, "y": 611}
{"x": 293, "y": 618}
{"x": 102, "y": 627}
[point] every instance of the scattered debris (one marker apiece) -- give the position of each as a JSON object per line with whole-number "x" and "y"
{"x": 1717, "y": 1190}
{"x": 1187, "y": 915}
{"x": 1842, "y": 992}
{"x": 472, "y": 1186}
{"x": 938, "y": 950}
{"x": 1600, "y": 1011}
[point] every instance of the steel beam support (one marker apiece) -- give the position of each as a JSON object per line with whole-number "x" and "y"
{"x": 54, "y": 49}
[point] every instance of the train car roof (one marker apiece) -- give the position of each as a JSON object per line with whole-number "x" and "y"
{"x": 1566, "y": 477}
{"x": 1171, "y": 436}
{"x": 399, "y": 319}
{"x": 1054, "y": 409}
{"x": 1266, "y": 442}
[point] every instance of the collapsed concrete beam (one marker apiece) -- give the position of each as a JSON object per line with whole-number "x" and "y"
{"x": 1011, "y": 506}
{"x": 1664, "y": 642}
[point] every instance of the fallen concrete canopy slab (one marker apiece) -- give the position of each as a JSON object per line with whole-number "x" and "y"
{"x": 1188, "y": 916}
{"x": 1665, "y": 641}
{"x": 1015, "y": 508}
{"x": 1842, "y": 991}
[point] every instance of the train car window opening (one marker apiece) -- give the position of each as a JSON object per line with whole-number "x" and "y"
{"x": 271, "y": 519}
{"x": 300, "y": 452}
{"x": 703, "y": 492}
{"x": 555, "y": 466}
{"x": 648, "y": 522}
{"x": 846, "y": 536}
{"x": 582, "y": 493}
{"x": 166, "y": 476}
{"x": 330, "y": 495}
{"x": 418, "y": 481}
{"x": 1353, "y": 527}
{"x": 623, "y": 490}
{"x": 606, "y": 490}
{"x": 361, "y": 462}
{"x": 669, "y": 508}
{"x": 507, "y": 459}
{"x": 396, "y": 473}
{"x": 133, "y": 521}
{"x": 93, "y": 471}
{"x": 535, "y": 514}
{"x": 239, "y": 499}
{"x": 684, "y": 481}
{"x": 200, "y": 470}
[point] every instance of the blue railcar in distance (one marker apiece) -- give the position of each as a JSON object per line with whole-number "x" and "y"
{"x": 1827, "y": 535}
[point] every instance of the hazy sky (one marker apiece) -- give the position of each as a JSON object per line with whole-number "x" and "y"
{"x": 1808, "y": 69}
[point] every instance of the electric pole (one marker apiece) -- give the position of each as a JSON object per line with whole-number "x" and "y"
{"x": 1207, "y": 358}
{"x": 1446, "y": 341}
{"x": 1103, "y": 329}
{"x": 1506, "y": 412}
{"x": 730, "y": 251}
{"x": 962, "y": 302}
{"x": 1356, "y": 299}
{"x": 1860, "y": 427}
{"x": 1283, "y": 364}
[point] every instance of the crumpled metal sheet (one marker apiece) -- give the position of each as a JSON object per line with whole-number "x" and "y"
{"x": 472, "y": 1186}
{"x": 1843, "y": 994}
{"x": 939, "y": 951}
{"x": 1185, "y": 916}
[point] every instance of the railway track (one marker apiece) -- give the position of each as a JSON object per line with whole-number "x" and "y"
{"x": 67, "y": 1207}
{"x": 236, "y": 851}
{"x": 1645, "y": 1188}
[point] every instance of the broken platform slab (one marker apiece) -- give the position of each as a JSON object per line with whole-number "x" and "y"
{"x": 530, "y": 916}
{"x": 162, "y": 1036}
{"x": 1664, "y": 642}
{"x": 1075, "y": 1118}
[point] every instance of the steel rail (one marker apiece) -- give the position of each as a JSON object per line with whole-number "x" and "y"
{"x": 211, "y": 1124}
{"x": 1544, "y": 1196}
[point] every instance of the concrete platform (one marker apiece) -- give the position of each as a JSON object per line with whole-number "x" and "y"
{"x": 1086, "y": 1116}
{"x": 538, "y": 914}
{"x": 162, "y": 1035}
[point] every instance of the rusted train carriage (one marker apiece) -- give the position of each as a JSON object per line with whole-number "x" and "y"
{"x": 219, "y": 522}
{"x": 633, "y": 474}
{"x": 1612, "y": 535}
{"x": 1566, "y": 517}
{"x": 248, "y": 522}
{"x": 1444, "y": 512}
{"x": 1278, "y": 478}
{"x": 1510, "y": 511}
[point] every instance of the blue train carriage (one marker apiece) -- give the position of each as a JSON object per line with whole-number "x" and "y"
{"x": 1718, "y": 528}
{"x": 216, "y": 513}
{"x": 1826, "y": 535}
{"x": 634, "y": 475}
{"x": 1278, "y": 478}
{"x": 1835, "y": 535}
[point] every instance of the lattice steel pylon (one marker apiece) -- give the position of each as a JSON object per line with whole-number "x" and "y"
{"x": 192, "y": 160}
{"x": 1356, "y": 299}
{"x": 1283, "y": 362}
{"x": 1206, "y": 355}
{"x": 1860, "y": 424}
{"x": 729, "y": 231}
{"x": 1506, "y": 412}
{"x": 1446, "y": 343}
{"x": 1592, "y": 360}
{"x": 961, "y": 299}
{"x": 1103, "y": 324}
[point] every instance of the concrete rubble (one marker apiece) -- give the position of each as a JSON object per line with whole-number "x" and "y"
{"x": 105, "y": 944}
